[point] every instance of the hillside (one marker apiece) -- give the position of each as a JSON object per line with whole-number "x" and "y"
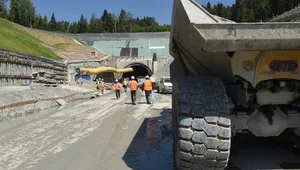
{"x": 37, "y": 43}
{"x": 56, "y": 42}
{"x": 16, "y": 39}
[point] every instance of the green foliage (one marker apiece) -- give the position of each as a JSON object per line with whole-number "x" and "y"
{"x": 16, "y": 39}
{"x": 26, "y": 12}
{"x": 82, "y": 25}
{"x": 14, "y": 11}
{"x": 252, "y": 10}
{"x": 3, "y": 10}
{"x": 23, "y": 12}
{"x": 52, "y": 23}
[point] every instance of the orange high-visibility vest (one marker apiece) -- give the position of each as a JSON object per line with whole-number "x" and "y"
{"x": 133, "y": 85}
{"x": 117, "y": 86}
{"x": 147, "y": 85}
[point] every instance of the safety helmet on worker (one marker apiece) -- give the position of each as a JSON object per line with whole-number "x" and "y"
{"x": 147, "y": 77}
{"x": 132, "y": 77}
{"x": 116, "y": 80}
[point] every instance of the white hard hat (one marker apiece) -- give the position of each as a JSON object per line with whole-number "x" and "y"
{"x": 132, "y": 77}
{"x": 147, "y": 77}
{"x": 116, "y": 80}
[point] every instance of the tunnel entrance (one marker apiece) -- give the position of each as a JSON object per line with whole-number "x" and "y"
{"x": 139, "y": 70}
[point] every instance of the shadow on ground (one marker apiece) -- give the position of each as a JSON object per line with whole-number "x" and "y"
{"x": 250, "y": 153}
{"x": 151, "y": 147}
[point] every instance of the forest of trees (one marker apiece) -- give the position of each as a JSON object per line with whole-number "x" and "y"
{"x": 23, "y": 12}
{"x": 252, "y": 10}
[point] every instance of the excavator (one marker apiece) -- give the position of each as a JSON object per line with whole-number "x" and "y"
{"x": 230, "y": 78}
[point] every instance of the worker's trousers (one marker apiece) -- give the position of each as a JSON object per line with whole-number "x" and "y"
{"x": 118, "y": 94}
{"x": 133, "y": 96}
{"x": 148, "y": 96}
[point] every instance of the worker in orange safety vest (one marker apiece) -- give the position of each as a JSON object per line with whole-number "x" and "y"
{"x": 133, "y": 86}
{"x": 147, "y": 87}
{"x": 117, "y": 88}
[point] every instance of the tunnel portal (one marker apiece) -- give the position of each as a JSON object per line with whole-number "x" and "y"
{"x": 139, "y": 70}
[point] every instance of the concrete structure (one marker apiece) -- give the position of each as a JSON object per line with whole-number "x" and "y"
{"x": 133, "y": 48}
{"x": 17, "y": 68}
{"x": 118, "y": 36}
{"x": 72, "y": 65}
{"x": 290, "y": 16}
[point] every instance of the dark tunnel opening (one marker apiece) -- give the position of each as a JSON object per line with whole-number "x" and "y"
{"x": 139, "y": 70}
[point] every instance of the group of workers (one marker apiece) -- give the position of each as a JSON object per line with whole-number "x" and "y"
{"x": 100, "y": 85}
{"x": 133, "y": 87}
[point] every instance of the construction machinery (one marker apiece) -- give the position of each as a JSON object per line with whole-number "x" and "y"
{"x": 230, "y": 78}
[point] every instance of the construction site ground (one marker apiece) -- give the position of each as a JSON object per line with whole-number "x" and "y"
{"x": 106, "y": 133}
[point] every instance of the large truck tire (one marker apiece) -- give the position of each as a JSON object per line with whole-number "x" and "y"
{"x": 201, "y": 123}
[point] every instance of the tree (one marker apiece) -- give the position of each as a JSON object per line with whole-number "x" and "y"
{"x": 99, "y": 26}
{"x": 38, "y": 22}
{"x": 111, "y": 23}
{"x": 82, "y": 24}
{"x": 93, "y": 24}
{"x": 263, "y": 10}
{"x": 237, "y": 11}
{"x": 73, "y": 27}
{"x": 129, "y": 21}
{"x": 3, "y": 10}
{"x": 45, "y": 23}
{"x": 208, "y": 7}
{"x": 26, "y": 12}
{"x": 104, "y": 19}
{"x": 14, "y": 11}
{"x": 121, "y": 23}
{"x": 52, "y": 23}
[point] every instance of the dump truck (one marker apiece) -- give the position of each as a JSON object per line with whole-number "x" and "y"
{"x": 230, "y": 78}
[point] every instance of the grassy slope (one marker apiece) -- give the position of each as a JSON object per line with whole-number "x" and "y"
{"x": 13, "y": 38}
{"x": 59, "y": 42}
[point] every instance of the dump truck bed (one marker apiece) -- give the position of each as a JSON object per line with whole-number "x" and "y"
{"x": 192, "y": 25}
{"x": 204, "y": 43}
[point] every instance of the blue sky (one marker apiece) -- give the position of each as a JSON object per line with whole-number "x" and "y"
{"x": 70, "y": 10}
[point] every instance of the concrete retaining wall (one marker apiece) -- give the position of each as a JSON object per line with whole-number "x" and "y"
{"x": 17, "y": 68}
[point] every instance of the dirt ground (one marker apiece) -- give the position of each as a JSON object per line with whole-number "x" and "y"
{"x": 109, "y": 134}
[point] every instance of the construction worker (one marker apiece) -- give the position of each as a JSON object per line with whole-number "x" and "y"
{"x": 125, "y": 85}
{"x": 133, "y": 86}
{"x": 102, "y": 86}
{"x": 147, "y": 87}
{"x": 117, "y": 87}
{"x": 98, "y": 85}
